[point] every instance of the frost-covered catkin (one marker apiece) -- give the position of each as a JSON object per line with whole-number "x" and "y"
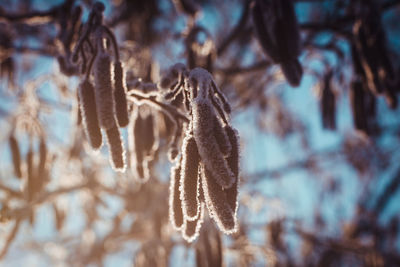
{"x": 189, "y": 179}
{"x": 211, "y": 155}
{"x": 88, "y": 109}
{"x": 233, "y": 162}
{"x": 121, "y": 106}
{"x": 221, "y": 137}
{"x": 16, "y": 156}
{"x": 104, "y": 91}
{"x": 175, "y": 204}
{"x": 191, "y": 229}
{"x": 217, "y": 203}
{"x": 116, "y": 149}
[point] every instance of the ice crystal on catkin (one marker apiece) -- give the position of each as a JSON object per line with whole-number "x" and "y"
{"x": 189, "y": 181}
{"x": 104, "y": 91}
{"x": 88, "y": 109}
{"x": 191, "y": 229}
{"x": 121, "y": 106}
{"x": 116, "y": 148}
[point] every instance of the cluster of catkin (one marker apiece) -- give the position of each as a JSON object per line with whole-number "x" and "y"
{"x": 206, "y": 174}
{"x": 102, "y": 92}
{"x": 36, "y": 172}
{"x": 277, "y": 30}
{"x": 374, "y": 74}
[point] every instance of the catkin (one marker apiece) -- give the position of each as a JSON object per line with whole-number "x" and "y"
{"x": 104, "y": 91}
{"x": 116, "y": 148}
{"x": 191, "y": 229}
{"x": 121, "y": 106}
{"x": 88, "y": 109}
{"x": 233, "y": 162}
{"x": 189, "y": 182}
{"x": 16, "y": 156}
{"x": 293, "y": 72}
{"x": 175, "y": 204}
{"x": 41, "y": 168}
{"x": 357, "y": 96}
{"x": 30, "y": 175}
{"x": 211, "y": 156}
{"x": 328, "y": 105}
{"x": 221, "y": 137}
{"x": 217, "y": 203}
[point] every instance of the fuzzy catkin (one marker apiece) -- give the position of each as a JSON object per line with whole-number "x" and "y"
{"x": 189, "y": 182}
{"x": 30, "y": 175}
{"x": 41, "y": 168}
{"x": 116, "y": 148}
{"x": 191, "y": 229}
{"x": 221, "y": 137}
{"x": 211, "y": 156}
{"x": 88, "y": 110}
{"x": 121, "y": 106}
{"x": 175, "y": 204}
{"x": 293, "y": 72}
{"x": 16, "y": 156}
{"x": 104, "y": 91}
{"x": 217, "y": 203}
{"x": 233, "y": 162}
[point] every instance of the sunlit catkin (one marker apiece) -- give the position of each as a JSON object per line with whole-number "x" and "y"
{"x": 191, "y": 229}
{"x": 175, "y": 204}
{"x": 217, "y": 203}
{"x": 121, "y": 106}
{"x": 221, "y": 137}
{"x": 116, "y": 149}
{"x": 16, "y": 155}
{"x": 88, "y": 109}
{"x": 211, "y": 155}
{"x": 233, "y": 162}
{"x": 189, "y": 182}
{"x": 104, "y": 91}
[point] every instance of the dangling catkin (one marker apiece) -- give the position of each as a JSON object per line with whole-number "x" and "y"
{"x": 221, "y": 137}
{"x": 189, "y": 182}
{"x": 41, "y": 169}
{"x": 175, "y": 204}
{"x": 116, "y": 149}
{"x": 233, "y": 162}
{"x": 211, "y": 156}
{"x": 104, "y": 91}
{"x": 217, "y": 203}
{"x": 328, "y": 105}
{"x": 16, "y": 156}
{"x": 191, "y": 229}
{"x": 88, "y": 109}
{"x": 30, "y": 175}
{"x": 121, "y": 106}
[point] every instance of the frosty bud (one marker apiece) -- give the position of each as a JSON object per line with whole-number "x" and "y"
{"x": 116, "y": 148}
{"x": 88, "y": 110}
{"x": 175, "y": 204}
{"x": 121, "y": 106}
{"x": 189, "y": 182}
{"x": 16, "y": 156}
{"x": 104, "y": 91}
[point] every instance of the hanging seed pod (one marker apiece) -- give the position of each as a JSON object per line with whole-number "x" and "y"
{"x": 88, "y": 110}
{"x": 175, "y": 204}
{"x": 104, "y": 91}
{"x": 277, "y": 30}
{"x": 233, "y": 162}
{"x": 217, "y": 203}
{"x": 189, "y": 182}
{"x": 191, "y": 229}
{"x": 121, "y": 106}
{"x": 16, "y": 156}
{"x": 328, "y": 105}
{"x": 211, "y": 156}
{"x": 116, "y": 148}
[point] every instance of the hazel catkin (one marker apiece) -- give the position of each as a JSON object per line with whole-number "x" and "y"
{"x": 175, "y": 204}
{"x": 88, "y": 109}
{"x": 116, "y": 148}
{"x": 16, "y": 156}
{"x": 121, "y": 106}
